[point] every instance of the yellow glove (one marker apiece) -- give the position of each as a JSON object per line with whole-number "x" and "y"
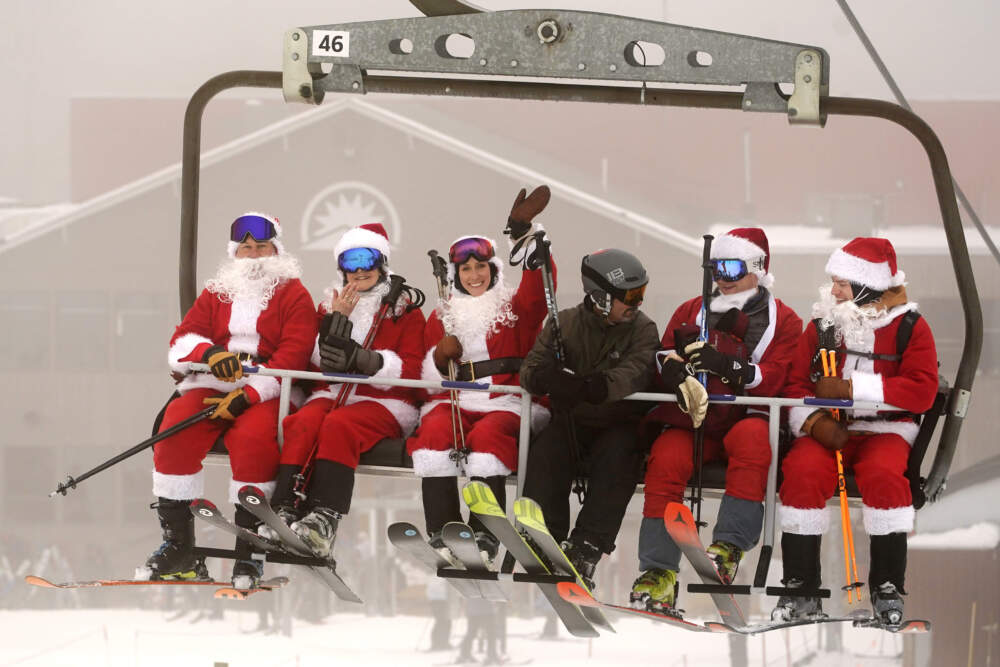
{"x": 223, "y": 363}
{"x": 230, "y": 406}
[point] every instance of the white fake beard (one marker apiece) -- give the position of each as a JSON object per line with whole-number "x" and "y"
{"x": 474, "y": 317}
{"x": 723, "y": 302}
{"x": 252, "y": 279}
{"x": 852, "y": 325}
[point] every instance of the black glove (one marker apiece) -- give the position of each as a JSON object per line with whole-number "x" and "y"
{"x": 337, "y": 350}
{"x": 230, "y": 406}
{"x": 223, "y": 363}
{"x": 595, "y": 388}
{"x": 524, "y": 209}
{"x": 704, "y": 358}
{"x": 692, "y": 398}
{"x": 566, "y": 389}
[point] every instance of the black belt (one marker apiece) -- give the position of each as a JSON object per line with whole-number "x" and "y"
{"x": 469, "y": 371}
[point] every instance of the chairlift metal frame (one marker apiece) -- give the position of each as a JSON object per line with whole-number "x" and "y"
{"x": 586, "y": 57}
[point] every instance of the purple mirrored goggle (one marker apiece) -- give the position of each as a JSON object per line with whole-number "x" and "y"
{"x": 256, "y": 227}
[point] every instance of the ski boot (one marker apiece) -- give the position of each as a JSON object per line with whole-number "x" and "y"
{"x": 174, "y": 559}
{"x": 793, "y": 608}
{"x": 489, "y": 547}
{"x": 318, "y": 530}
{"x": 286, "y": 514}
{"x": 655, "y": 590}
{"x": 247, "y": 574}
{"x": 436, "y": 542}
{"x": 726, "y": 557}
{"x": 584, "y": 556}
{"x": 887, "y": 604}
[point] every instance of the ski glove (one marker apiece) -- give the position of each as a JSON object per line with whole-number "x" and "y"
{"x": 223, "y": 363}
{"x": 829, "y": 432}
{"x": 337, "y": 350}
{"x": 230, "y": 406}
{"x": 834, "y": 388}
{"x": 335, "y": 360}
{"x": 702, "y": 357}
{"x": 566, "y": 389}
{"x": 524, "y": 209}
{"x": 692, "y": 398}
{"x": 448, "y": 348}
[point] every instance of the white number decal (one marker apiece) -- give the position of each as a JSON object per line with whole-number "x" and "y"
{"x": 331, "y": 43}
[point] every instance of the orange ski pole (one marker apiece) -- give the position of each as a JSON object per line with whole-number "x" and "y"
{"x": 850, "y": 532}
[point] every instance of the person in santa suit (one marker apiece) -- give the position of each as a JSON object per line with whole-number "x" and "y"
{"x": 751, "y": 340}
{"x": 858, "y": 316}
{"x": 485, "y": 328}
{"x": 254, "y": 311}
{"x": 372, "y": 412}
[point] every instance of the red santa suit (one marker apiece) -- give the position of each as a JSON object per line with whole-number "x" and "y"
{"x": 276, "y": 328}
{"x": 746, "y": 445}
{"x": 500, "y": 323}
{"x": 371, "y": 412}
{"x": 879, "y": 445}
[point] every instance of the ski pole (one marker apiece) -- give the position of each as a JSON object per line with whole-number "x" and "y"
{"x": 71, "y": 481}
{"x": 850, "y": 530}
{"x": 699, "y": 433}
{"x": 461, "y": 453}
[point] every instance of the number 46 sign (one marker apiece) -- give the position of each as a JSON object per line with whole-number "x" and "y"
{"x": 331, "y": 43}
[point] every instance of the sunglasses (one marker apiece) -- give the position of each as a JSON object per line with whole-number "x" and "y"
{"x": 475, "y": 246}
{"x": 633, "y": 297}
{"x": 359, "y": 259}
{"x": 257, "y": 227}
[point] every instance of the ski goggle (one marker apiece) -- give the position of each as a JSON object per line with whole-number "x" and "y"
{"x": 633, "y": 297}
{"x": 359, "y": 259}
{"x": 259, "y": 228}
{"x": 729, "y": 270}
{"x": 475, "y": 246}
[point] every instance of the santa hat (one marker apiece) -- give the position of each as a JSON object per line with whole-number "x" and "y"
{"x": 275, "y": 240}
{"x": 750, "y": 245}
{"x": 370, "y": 235}
{"x": 867, "y": 261}
{"x": 495, "y": 260}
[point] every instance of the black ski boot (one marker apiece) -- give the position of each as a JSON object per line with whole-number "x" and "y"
{"x": 584, "y": 556}
{"x": 800, "y": 555}
{"x": 886, "y": 577}
{"x": 330, "y": 491}
{"x": 318, "y": 530}
{"x": 247, "y": 571}
{"x": 489, "y": 545}
{"x": 283, "y": 501}
{"x": 174, "y": 559}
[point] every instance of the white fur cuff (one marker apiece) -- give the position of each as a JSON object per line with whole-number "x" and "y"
{"x": 266, "y": 386}
{"x": 796, "y": 417}
{"x": 434, "y": 463}
{"x": 481, "y": 464}
{"x": 868, "y": 387}
{"x": 179, "y": 487}
{"x": 803, "y": 521}
{"x": 883, "y": 522}
{"x": 392, "y": 368}
{"x": 181, "y": 348}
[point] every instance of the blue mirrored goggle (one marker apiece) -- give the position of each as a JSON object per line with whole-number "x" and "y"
{"x": 257, "y": 227}
{"x": 729, "y": 270}
{"x": 359, "y": 259}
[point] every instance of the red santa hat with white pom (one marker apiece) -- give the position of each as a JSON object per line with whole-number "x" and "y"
{"x": 275, "y": 231}
{"x": 370, "y": 235}
{"x": 750, "y": 245}
{"x": 867, "y": 261}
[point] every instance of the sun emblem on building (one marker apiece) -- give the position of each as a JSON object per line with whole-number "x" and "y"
{"x": 344, "y": 205}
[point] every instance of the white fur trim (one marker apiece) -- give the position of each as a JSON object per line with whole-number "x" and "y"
{"x": 434, "y": 463}
{"x": 243, "y": 326}
{"x": 209, "y": 381}
{"x": 392, "y": 368}
{"x": 803, "y": 521}
{"x": 362, "y": 238}
{"x": 861, "y": 271}
{"x": 907, "y": 430}
{"x": 867, "y": 386}
{"x": 179, "y": 487}
{"x": 481, "y": 464}
{"x": 428, "y": 371}
{"x": 181, "y": 348}
{"x": 884, "y": 522}
{"x": 797, "y": 416}
{"x": 267, "y": 488}
{"x": 267, "y": 387}
{"x": 405, "y": 414}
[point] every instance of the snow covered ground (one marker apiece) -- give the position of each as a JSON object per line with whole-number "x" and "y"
{"x": 144, "y": 638}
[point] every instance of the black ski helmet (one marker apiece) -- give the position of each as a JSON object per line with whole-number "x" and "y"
{"x": 613, "y": 273}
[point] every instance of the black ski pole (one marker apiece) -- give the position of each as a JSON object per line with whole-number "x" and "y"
{"x": 71, "y": 481}
{"x": 699, "y": 433}
{"x": 460, "y": 453}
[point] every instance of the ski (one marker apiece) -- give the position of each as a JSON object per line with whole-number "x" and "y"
{"x": 407, "y": 538}
{"x": 529, "y": 515}
{"x": 913, "y": 626}
{"x": 575, "y": 593}
{"x": 716, "y": 626}
{"x": 481, "y": 501}
{"x": 461, "y": 539}
{"x": 265, "y": 584}
{"x": 207, "y": 511}
{"x": 231, "y": 593}
{"x": 681, "y": 527}
{"x": 255, "y": 502}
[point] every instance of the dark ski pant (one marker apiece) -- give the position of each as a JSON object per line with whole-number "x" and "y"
{"x": 614, "y": 456}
